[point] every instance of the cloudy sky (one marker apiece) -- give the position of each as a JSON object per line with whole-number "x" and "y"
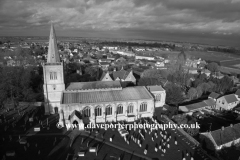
{"x": 200, "y": 21}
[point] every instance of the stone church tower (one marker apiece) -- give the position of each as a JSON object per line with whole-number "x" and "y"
{"x": 53, "y": 77}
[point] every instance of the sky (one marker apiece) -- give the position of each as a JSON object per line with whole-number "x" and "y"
{"x": 199, "y": 21}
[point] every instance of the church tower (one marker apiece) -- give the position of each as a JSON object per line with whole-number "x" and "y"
{"x": 53, "y": 77}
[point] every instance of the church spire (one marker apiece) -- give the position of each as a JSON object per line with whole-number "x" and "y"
{"x": 53, "y": 56}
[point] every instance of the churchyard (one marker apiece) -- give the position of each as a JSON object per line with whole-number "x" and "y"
{"x": 156, "y": 144}
{"x": 24, "y": 133}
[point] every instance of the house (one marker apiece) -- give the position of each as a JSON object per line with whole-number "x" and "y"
{"x": 190, "y": 108}
{"x": 227, "y": 102}
{"x": 206, "y": 71}
{"x": 218, "y": 75}
{"x": 106, "y": 77}
{"x": 130, "y": 54}
{"x": 121, "y": 59}
{"x": 150, "y": 58}
{"x": 105, "y": 60}
{"x": 237, "y": 93}
{"x": 234, "y": 79}
{"x": 192, "y": 63}
{"x": 224, "y": 137}
{"x": 214, "y": 96}
{"x": 123, "y": 75}
{"x": 104, "y": 65}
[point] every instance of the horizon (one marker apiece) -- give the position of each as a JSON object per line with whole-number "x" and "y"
{"x": 182, "y": 21}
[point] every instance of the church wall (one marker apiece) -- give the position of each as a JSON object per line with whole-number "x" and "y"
{"x": 69, "y": 108}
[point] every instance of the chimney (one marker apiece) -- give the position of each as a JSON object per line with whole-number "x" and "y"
{"x": 222, "y": 128}
{"x": 231, "y": 125}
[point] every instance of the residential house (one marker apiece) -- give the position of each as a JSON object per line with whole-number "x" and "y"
{"x": 237, "y": 93}
{"x": 234, "y": 79}
{"x": 150, "y": 58}
{"x": 227, "y": 102}
{"x": 190, "y": 108}
{"x": 192, "y": 63}
{"x": 206, "y": 71}
{"x": 104, "y": 65}
{"x": 106, "y": 77}
{"x": 121, "y": 59}
{"x": 218, "y": 75}
{"x": 224, "y": 137}
{"x": 124, "y": 53}
{"x": 123, "y": 75}
{"x": 214, "y": 96}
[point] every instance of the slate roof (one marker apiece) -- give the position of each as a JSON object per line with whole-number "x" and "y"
{"x": 230, "y": 98}
{"x": 126, "y": 94}
{"x": 155, "y": 88}
{"x": 214, "y": 95}
{"x": 93, "y": 85}
{"x": 226, "y": 135}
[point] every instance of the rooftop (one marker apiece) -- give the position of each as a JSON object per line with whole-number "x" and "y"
{"x": 228, "y": 134}
{"x": 155, "y": 88}
{"x": 214, "y": 95}
{"x": 230, "y": 98}
{"x": 93, "y": 85}
{"x": 126, "y": 94}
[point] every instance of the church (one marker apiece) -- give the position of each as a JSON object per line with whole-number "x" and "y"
{"x": 95, "y": 102}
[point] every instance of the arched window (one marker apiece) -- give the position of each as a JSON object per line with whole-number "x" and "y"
{"x": 130, "y": 108}
{"x": 143, "y": 107}
{"x": 120, "y": 109}
{"x": 98, "y": 111}
{"x": 158, "y": 97}
{"x": 108, "y": 110}
{"x": 87, "y": 112}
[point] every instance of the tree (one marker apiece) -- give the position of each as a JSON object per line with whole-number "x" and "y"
{"x": 192, "y": 93}
{"x": 159, "y": 75}
{"x": 199, "y": 91}
{"x": 174, "y": 94}
{"x": 148, "y": 82}
{"x": 213, "y": 67}
{"x": 205, "y": 87}
{"x": 94, "y": 72}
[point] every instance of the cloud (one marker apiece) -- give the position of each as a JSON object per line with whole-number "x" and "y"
{"x": 220, "y": 17}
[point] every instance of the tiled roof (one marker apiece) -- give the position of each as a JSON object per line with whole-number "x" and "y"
{"x": 126, "y": 94}
{"x": 122, "y": 74}
{"x": 226, "y": 135}
{"x": 196, "y": 106}
{"x": 104, "y": 63}
{"x": 155, "y": 88}
{"x": 238, "y": 93}
{"x": 93, "y": 85}
{"x": 214, "y": 95}
{"x": 230, "y": 98}
{"x": 103, "y": 75}
{"x": 210, "y": 102}
{"x": 206, "y": 71}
